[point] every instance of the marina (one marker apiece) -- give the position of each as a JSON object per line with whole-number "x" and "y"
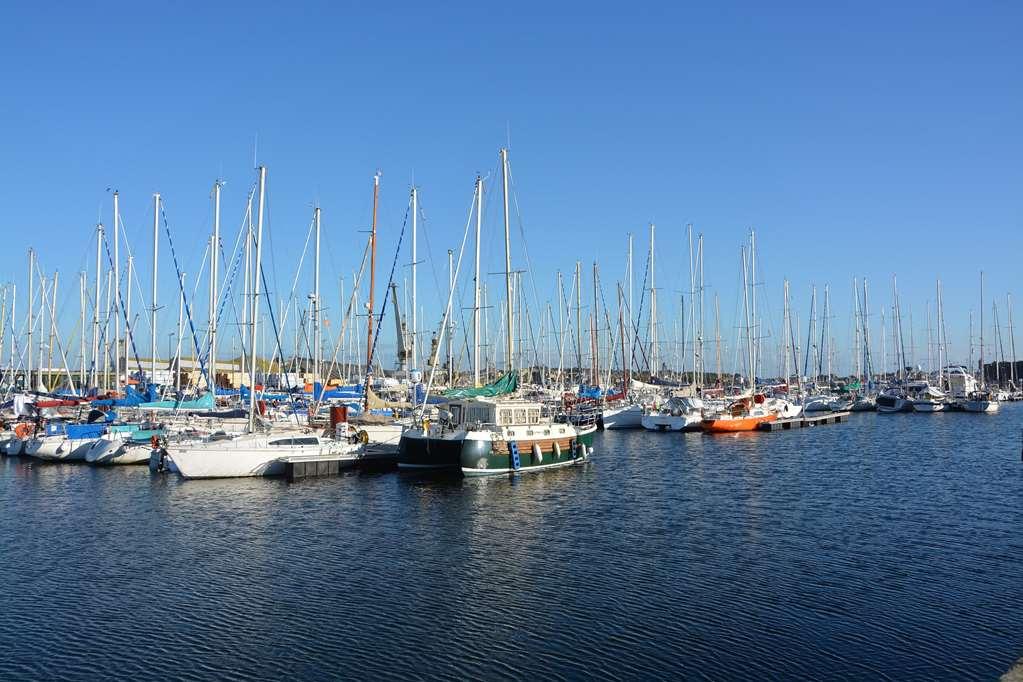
{"x": 542, "y": 341}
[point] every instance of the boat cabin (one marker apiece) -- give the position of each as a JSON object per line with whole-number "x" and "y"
{"x": 478, "y": 413}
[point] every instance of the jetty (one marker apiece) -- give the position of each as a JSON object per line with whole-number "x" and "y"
{"x": 804, "y": 421}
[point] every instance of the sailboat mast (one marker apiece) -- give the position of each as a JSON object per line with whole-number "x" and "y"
{"x": 653, "y": 309}
{"x": 983, "y": 374}
{"x": 117, "y": 292}
{"x": 255, "y": 298}
{"x": 152, "y": 319}
{"x": 596, "y": 339}
{"x": 578, "y": 321}
{"x": 127, "y": 313}
{"x": 95, "y": 309}
{"x": 508, "y": 341}
{"x": 451, "y": 323}
{"x": 372, "y": 272}
{"x": 754, "y": 337}
{"x": 717, "y": 338}
{"x": 81, "y": 339}
{"x": 415, "y": 328}
{"x": 1012, "y": 344}
{"x": 785, "y": 337}
{"x": 316, "y": 301}
{"x": 867, "y": 363}
{"x": 53, "y": 330}
{"x": 214, "y": 270}
{"x": 749, "y": 321}
{"x": 476, "y": 286}
{"x": 630, "y": 328}
{"x": 30, "y": 321}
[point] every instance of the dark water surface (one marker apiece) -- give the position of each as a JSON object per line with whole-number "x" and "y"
{"x": 889, "y": 547}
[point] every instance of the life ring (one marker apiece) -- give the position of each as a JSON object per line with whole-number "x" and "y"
{"x": 23, "y": 430}
{"x": 362, "y": 436}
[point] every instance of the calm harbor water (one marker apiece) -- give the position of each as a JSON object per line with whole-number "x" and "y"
{"x": 888, "y": 547}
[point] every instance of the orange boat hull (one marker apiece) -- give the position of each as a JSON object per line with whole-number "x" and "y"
{"x": 736, "y": 424}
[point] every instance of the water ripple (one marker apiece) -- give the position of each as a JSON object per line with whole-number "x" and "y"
{"x": 886, "y": 548}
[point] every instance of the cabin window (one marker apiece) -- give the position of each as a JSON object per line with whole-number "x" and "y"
{"x": 296, "y": 441}
{"x": 506, "y": 417}
{"x": 520, "y": 416}
{"x": 534, "y": 416}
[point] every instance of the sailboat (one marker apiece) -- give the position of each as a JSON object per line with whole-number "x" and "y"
{"x": 489, "y": 430}
{"x": 748, "y": 411}
{"x": 265, "y": 449}
{"x": 982, "y": 399}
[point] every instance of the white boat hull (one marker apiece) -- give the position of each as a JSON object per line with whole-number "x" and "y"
{"x": 627, "y": 417}
{"x": 228, "y": 459}
{"x": 57, "y": 448}
{"x": 110, "y": 450}
{"x": 928, "y": 406}
{"x": 671, "y": 422}
{"x": 988, "y": 406}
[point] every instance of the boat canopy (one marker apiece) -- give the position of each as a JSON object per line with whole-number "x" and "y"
{"x": 508, "y": 383}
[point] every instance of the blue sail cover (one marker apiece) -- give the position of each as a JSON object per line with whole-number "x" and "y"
{"x": 205, "y": 402}
{"x": 132, "y": 397}
{"x": 85, "y": 431}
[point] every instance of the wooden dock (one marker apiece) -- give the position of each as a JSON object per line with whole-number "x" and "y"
{"x": 803, "y": 422}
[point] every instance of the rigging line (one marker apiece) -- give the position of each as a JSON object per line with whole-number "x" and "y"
{"x": 127, "y": 323}
{"x": 353, "y": 296}
{"x": 447, "y": 310}
{"x": 184, "y": 296}
{"x": 383, "y": 307}
{"x": 294, "y": 282}
{"x": 522, "y": 235}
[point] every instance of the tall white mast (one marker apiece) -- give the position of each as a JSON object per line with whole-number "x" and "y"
{"x": 699, "y": 254}
{"x": 214, "y": 274}
{"x": 254, "y": 316}
{"x": 152, "y": 319}
{"x": 1012, "y": 344}
{"x": 128, "y": 336}
{"x": 509, "y": 339}
{"x": 983, "y": 374}
{"x": 105, "y": 346}
{"x": 749, "y": 321}
{"x": 95, "y": 308}
{"x": 653, "y": 309}
{"x": 476, "y": 285}
{"x": 755, "y": 337}
{"x": 451, "y": 323}
{"x": 81, "y": 338}
{"x": 827, "y": 324}
{"x": 413, "y": 346}
{"x": 117, "y": 293}
{"x": 31, "y": 304}
{"x": 631, "y": 331}
{"x": 692, "y": 299}
{"x": 578, "y": 320}
{"x": 316, "y": 302}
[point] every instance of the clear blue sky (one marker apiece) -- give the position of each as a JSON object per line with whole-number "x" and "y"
{"x": 862, "y": 140}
